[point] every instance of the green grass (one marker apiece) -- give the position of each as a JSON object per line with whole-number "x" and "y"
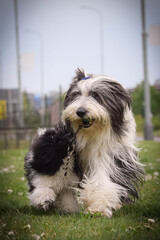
{"x": 19, "y": 221}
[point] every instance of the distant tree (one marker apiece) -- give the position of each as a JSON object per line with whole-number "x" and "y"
{"x": 26, "y": 103}
{"x": 155, "y": 101}
{"x": 138, "y": 100}
{"x": 31, "y": 116}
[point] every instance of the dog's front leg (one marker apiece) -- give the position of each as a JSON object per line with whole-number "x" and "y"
{"x": 44, "y": 191}
{"x": 42, "y": 197}
{"x": 100, "y": 195}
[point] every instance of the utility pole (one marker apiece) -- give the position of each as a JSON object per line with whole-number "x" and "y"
{"x": 37, "y": 33}
{"x": 60, "y": 102}
{"x": 1, "y": 69}
{"x": 18, "y": 64}
{"x": 148, "y": 128}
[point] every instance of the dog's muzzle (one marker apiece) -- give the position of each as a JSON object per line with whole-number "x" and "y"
{"x": 85, "y": 121}
{"x": 81, "y": 112}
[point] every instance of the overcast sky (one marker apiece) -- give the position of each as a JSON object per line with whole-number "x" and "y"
{"x": 71, "y": 38}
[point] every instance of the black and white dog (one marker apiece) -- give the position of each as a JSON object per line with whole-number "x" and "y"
{"x": 97, "y": 110}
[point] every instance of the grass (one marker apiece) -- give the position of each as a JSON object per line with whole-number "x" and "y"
{"x": 19, "y": 221}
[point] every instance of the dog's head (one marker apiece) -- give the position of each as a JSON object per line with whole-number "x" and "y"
{"x": 96, "y": 100}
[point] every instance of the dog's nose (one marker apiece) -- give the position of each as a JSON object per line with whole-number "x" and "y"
{"x": 81, "y": 112}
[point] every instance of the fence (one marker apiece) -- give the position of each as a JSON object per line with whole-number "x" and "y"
{"x": 17, "y": 129}
{"x": 16, "y": 138}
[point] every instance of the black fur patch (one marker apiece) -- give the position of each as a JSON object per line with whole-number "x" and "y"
{"x": 50, "y": 149}
{"x": 69, "y": 97}
{"x": 114, "y": 98}
{"x": 79, "y": 75}
{"x": 28, "y": 171}
{"x": 128, "y": 177}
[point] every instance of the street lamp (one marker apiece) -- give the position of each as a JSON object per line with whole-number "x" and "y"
{"x": 101, "y": 35}
{"x": 42, "y": 73}
{"x": 20, "y": 100}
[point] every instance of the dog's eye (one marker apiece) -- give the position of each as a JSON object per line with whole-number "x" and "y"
{"x": 95, "y": 95}
{"x": 75, "y": 94}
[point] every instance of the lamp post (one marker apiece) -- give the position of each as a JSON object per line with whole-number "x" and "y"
{"x": 1, "y": 70}
{"x": 20, "y": 108}
{"x": 41, "y": 71}
{"x": 148, "y": 128}
{"x": 101, "y": 35}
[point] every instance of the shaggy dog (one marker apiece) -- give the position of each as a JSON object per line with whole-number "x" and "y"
{"x": 105, "y": 160}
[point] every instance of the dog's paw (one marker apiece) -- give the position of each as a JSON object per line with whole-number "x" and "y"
{"x": 99, "y": 212}
{"x": 42, "y": 197}
{"x": 118, "y": 206}
{"x": 46, "y": 205}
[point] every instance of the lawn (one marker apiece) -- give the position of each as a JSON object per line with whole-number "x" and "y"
{"x": 19, "y": 221}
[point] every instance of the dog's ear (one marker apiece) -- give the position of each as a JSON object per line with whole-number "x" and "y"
{"x": 80, "y": 73}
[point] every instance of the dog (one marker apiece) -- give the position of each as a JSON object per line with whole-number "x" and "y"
{"x": 107, "y": 155}
{"x": 51, "y": 169}
{"x": 105, "y": 171}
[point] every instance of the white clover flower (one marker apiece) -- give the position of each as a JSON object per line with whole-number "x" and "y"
{"x": 22, "y": 178}
{"x": 36, "y": 237}
{"x": 10, "y": 190}
{"x": 12, "y": 166}
{"x": 5, "y": 169}
{"x": 20, "y": 193}
{"x": 156, "y": 174}
{"x": 150, "y": 220}
{"x": 11, "y": 233}
{"x": 27, "y": 227}
{"x": 148, "y": 177}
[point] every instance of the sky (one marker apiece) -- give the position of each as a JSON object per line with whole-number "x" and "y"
{"x": 65, "y": 36}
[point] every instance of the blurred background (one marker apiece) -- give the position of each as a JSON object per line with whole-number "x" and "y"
{"x": 42, "y": 42}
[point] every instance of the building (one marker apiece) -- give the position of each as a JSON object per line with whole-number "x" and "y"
{"x": 157, "y": 84}
{"x": 8, "y": 107}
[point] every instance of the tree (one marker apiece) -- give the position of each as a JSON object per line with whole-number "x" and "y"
{"x": 138, "y": 100}
{"x": 31, "y": 116}
{"x": 155, "y": 101}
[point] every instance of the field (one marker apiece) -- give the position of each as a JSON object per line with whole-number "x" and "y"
{"x": 19, "y": 221}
